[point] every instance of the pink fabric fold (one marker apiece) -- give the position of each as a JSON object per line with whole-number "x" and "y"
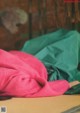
{"x": 23, "y": 75}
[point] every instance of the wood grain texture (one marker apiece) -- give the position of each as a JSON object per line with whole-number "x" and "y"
{"x": 44, "y": 16}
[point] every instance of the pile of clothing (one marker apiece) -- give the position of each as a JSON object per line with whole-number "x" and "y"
{"x": 43, "y": 67}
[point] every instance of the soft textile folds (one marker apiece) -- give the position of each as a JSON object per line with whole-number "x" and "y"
{"x": 60, "y": 53}
{"x": 23, "y": 75}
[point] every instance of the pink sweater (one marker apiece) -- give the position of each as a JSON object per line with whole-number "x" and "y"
{"x": 23, "y": 75}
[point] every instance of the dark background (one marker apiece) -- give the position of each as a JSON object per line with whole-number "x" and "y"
{"x": 44, "y": 16}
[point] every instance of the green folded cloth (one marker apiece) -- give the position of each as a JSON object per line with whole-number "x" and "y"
{"x": 60, "y": 53}
{"x": 73, "y": 90}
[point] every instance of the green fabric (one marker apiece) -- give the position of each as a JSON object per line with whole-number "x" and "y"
{"x": 73, "y": 90}
{"x": 60, "y": 53}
